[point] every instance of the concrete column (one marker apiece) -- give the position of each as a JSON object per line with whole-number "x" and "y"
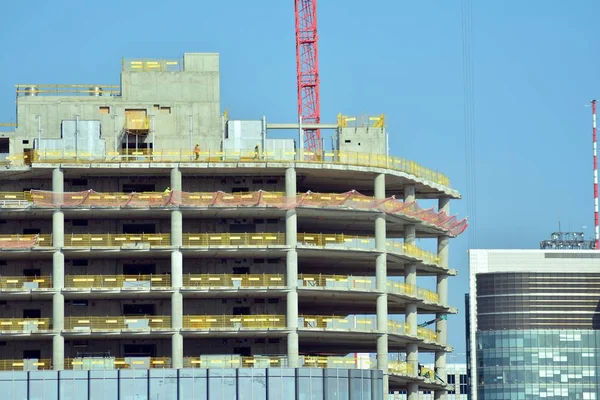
{"x": 58, "y": 310}
{"x": 381, "y": 281}
{"x": 58, "y": 272}
{"x": 410, "y": 316}
{"x": 177, "y": 309}
{"x": 176, "y": 228}
{"x": 291, "y": 273}
{"x": 176, "y": 179}
{"x": 442, "y": 290}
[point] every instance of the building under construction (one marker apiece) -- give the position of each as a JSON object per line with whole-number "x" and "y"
{"x": 152, "y": 247}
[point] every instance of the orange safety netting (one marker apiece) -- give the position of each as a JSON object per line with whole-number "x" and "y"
{"x": 19, "y": 242}
{"x": 350, "y": 200}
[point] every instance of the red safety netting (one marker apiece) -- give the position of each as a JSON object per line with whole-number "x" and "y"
{"x": 351, "y": 200}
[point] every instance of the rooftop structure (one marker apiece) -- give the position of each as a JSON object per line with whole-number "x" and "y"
{"x": 143, "y": 230}
{"x": 533, "y": 324}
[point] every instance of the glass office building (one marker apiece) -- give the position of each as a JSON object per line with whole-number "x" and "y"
{"x": 534, "y": 324}
{"x": 197, "y": 384}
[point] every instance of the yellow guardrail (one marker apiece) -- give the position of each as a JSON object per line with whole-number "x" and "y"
{"x": 233, "y": 280}
{"x": 25, "y": 324}
{"x": 336, "y": 282}
{"x": 401, "y": 288}
{"x": 328, "y": 157}
{"x": 428, "y": 295}
{"x": 25, "y": 364}
{"x": 25, "y": 282}
{"x": 400, "y": 328}
{"x": 400, "y": 368}
{"x": 413, "y": 251}
{"x": 15, "y": 196}
{"x": 235, "y": 361}
{"x": 68, "y": 90}
{"x": 98, "y": 363}
{"x": 349, "y": 322}
{"x": 89, "y": 323}
{"x": 427, "y": 335}
{"x": 207, "y": 322}
{"x": 111, "y": 240}
{"x": 117, "y": 281}
{"x": 144, "y": 64}
{"x": 427, "y": 373}
{"x": 233, "y": 239}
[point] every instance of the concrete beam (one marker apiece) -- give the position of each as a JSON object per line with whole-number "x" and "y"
{"x": 296, "y": 126}
{"x": 176, "y": 179}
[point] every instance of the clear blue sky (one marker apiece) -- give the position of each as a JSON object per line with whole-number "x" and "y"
{"x": 535, "y": 63}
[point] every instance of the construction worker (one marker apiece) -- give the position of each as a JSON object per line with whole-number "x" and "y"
{"x": 197, "y": 151}
{"x": 256, "y": 152}
{"x": 167, "y": 190}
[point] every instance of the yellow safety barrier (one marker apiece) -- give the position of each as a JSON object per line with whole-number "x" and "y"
{"x": 235, "y": 361}
{"x": 427, "y": 335}
{"x": 400, "y": 328}
{"x": 15, "y": 196}
{"x": 117, "y": 281}
{"x": 97, "y": 363}
{"x": 25, "y": 324}
{"x": 113, "y": 240}
{"x": 351, "y": 322}
{"x": 400, "y": 368}
{"x": 329, "y": 157}
{"x": 401, "y": 288}
{"x": 427, "y": 373}
{"x": 233, "y": 280}
{"x": 149, "y": 65}
{"x": 413, "y": 251}
{"x": 138, "y": 322}
{"x": 67, "y": 90}
{"x": 25, "y": 282}
{"x": 347, "y": 282}
{"x": 233, "y": 239}
{"x": 207, "y": 322}
{"x": 25, "y": 364}
{"x": 428, "y": 295}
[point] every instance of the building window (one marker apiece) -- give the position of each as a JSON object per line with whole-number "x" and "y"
{"x": 104, "y": 109}
{"x": 165, "y": 110}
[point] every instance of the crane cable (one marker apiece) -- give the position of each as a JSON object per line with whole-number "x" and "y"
{"x": 469, "y": 118}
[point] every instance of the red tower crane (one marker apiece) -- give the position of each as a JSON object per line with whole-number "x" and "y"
{"x": 307, "y": 69}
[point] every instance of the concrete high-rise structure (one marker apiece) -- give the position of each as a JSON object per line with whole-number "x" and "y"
{"x": 534, "y": 324}
{"x": 152, "y": 247}
{"x": 456, "y": 378}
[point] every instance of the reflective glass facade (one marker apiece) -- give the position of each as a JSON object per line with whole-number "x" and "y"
{"x": 534, "y": 364}
{"x": 197, "y": 384}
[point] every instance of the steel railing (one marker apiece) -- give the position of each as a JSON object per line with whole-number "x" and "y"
{"x": 233, "y": 239}
{"x": 25, "y": 365}
{"x": 89, "y": 323}
{"x": 329, "y": 157}
{"x": 25, "y": 282}
{"x": 366, "y": 323}
{"x": 117, "y": 281}
{"x": 235, "y": 361}
{"x": 229, "y": 322}
{"x": 110, "y": 363}
{"x": 428, "y": 295}
{"x": 347, "y": 282}
{"x": 25, "y": 324}
{"x": 401, "y": 288}
{"x": 400, "y": 368}
{"x": 67, "y": 90}
{"x": 233, "y": 280}
{"x": 428, "y": 335}
{"x": 226, "y": 239}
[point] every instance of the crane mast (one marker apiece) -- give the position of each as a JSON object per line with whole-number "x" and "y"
{"x": 307, "y": 69}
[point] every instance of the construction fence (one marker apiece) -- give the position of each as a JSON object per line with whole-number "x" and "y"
{"x": 348, "y": 200}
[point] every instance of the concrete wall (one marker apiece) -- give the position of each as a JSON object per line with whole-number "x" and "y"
{"x": 362, "y": 140}
{"x": 193, "y": 91}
